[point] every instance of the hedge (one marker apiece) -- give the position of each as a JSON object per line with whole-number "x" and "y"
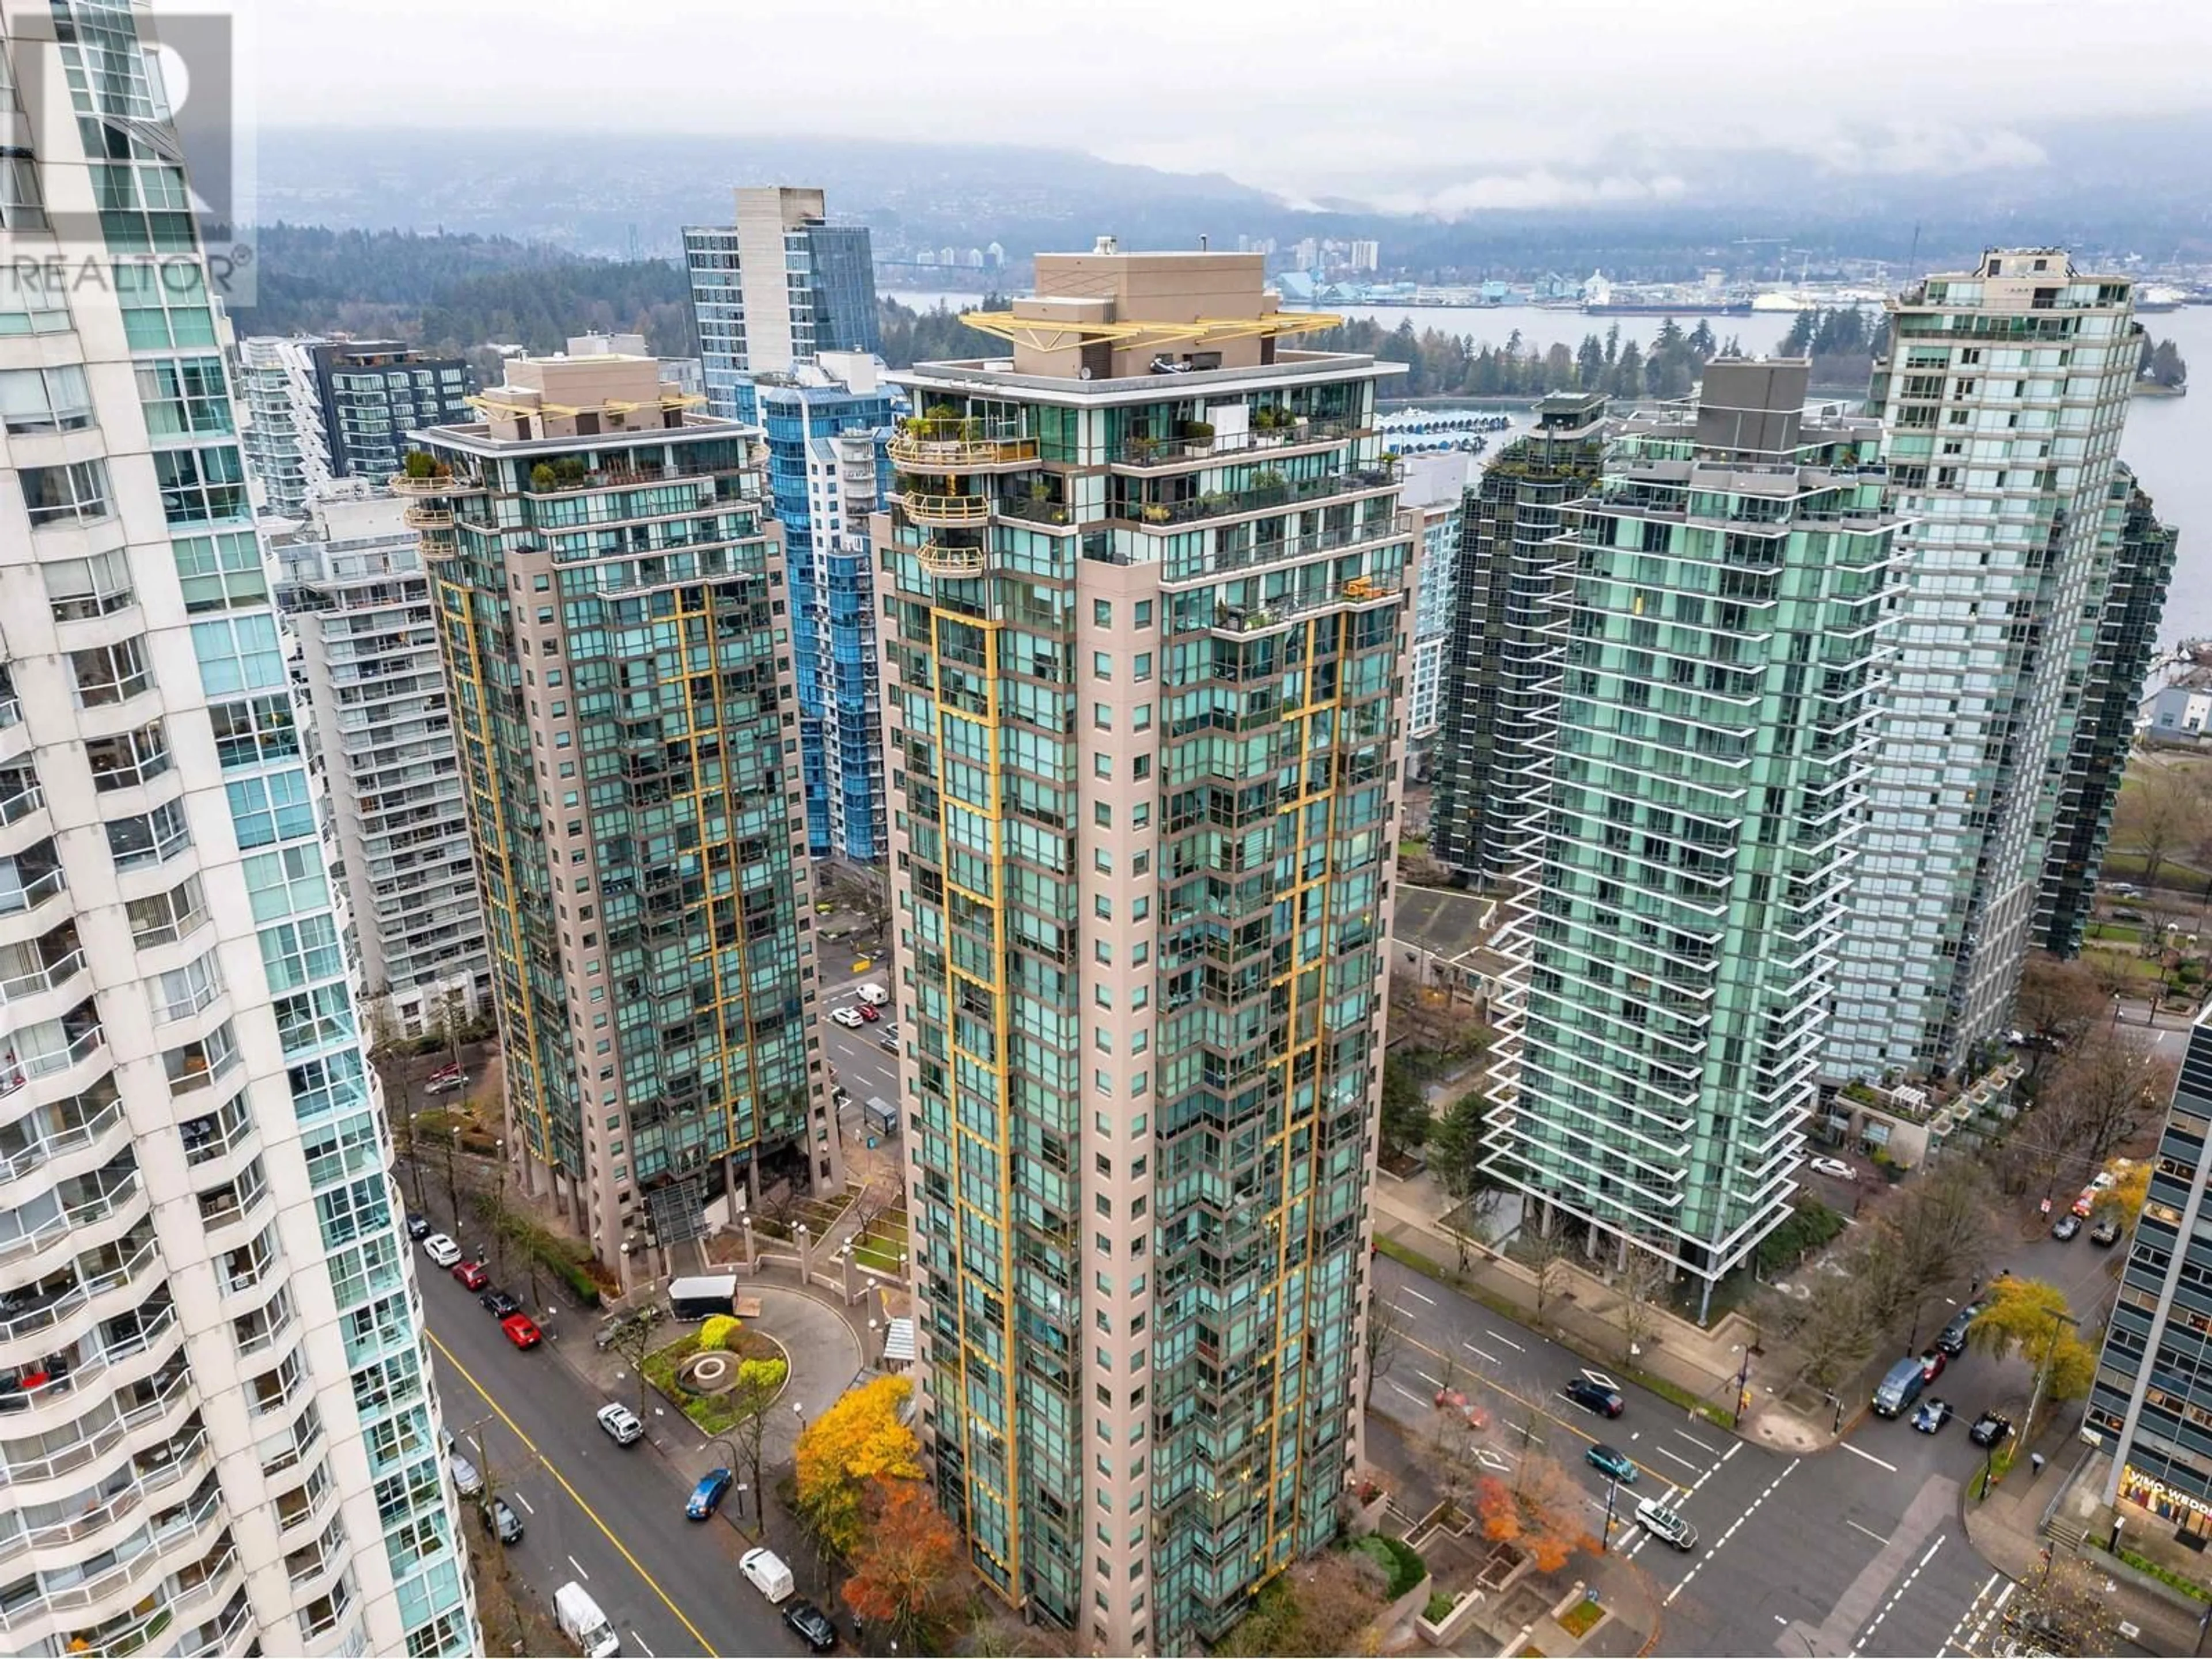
{"x": 1399, "y": 1558}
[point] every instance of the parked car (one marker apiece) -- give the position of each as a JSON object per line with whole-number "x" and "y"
{"x": 707, "y": 1497}
{"x": 466, "y": 1481}
{"x": 521, "y": 1330}
{"x": 849, "y": 1017}
{"x": 1835, "y": 1167}
{"x": 471, "y": 1275}
{"x": 766, "y": 1570}
{"x": 2106, "y": 1232}
{"x": 1665, "y": 1525}
{"x": 1989, "y": 1429}
{"x": 1932, "y": 1361}
{"x": 621, "y": 1423}
{"x": 811, "y": 1625}
{"x": 498, "y": 1303}
{"x": 1952, "y": 1339}
{"x": 447, "y": 1084}
{"x": 2065, "y": 1227}
{"x": 1595, "y": 1396}
{"x": 874, "y": 994}
{"x": 887, "y": 1040}
{"x": 869, "y": 1011}
{"x": 441, "y": 1249}
{"x": 1933, "y": 1414}
{"x": 2086, "y": 1202}
{"x": 1612, "y": 1464}
{"x": 500, "y": 1519}
{"x": 418, "y": 1228}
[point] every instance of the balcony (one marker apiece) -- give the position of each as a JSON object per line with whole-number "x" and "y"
{"x": 1275, "y": 494}
{"x": 61, "y": 1130}
{"x": 960, "y": 444}
{"x": 427, "y": 515}
{"x": 440, "y": 482}
{"x": 942, "y": 559}
{"x": 125, "y": 1349}
{"x": 50, "y": 1048}
{"x": 1360, "y": 590}
{"x": 946, "y": 511}
{"x": 1173, "y": 451}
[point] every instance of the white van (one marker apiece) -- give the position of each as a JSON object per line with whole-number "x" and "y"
{"x": 582, "y": 1623}
{"x": 874, "y": 995}
{"x": 768, "y": 1574}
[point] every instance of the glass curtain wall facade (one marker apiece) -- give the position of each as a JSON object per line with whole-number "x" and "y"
{"x": 2150, "y": 1404}
{"x": 1501, "y": 680}
{"x": 1722, "y": 668}
{"x": 823, "y": 496}
{"x": 217, "y": 1430}
{"x": 2003, "y": 392}
{"x": 2135, "y": 563}
{"x": 610, "y": 592}
{"x": 1145, "y": 645}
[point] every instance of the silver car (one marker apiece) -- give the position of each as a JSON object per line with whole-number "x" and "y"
{"x": 621, "y": 1423}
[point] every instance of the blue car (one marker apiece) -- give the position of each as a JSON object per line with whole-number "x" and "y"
{"x": 707, "y": 1497}
{"x": 1612, "y": 1463}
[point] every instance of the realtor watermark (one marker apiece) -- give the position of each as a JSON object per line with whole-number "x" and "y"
{"x": 158, "y": 98}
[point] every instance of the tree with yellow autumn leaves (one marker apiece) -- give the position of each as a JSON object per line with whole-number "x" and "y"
{"x": 858, "y": 1440}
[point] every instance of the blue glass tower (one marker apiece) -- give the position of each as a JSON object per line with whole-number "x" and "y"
{"x": 786, "y": 308}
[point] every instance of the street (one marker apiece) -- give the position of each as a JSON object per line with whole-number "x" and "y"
{"x": 609, "y": 1517}
{"x": 1855, "y": 1550}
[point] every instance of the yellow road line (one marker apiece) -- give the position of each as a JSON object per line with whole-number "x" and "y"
{"x": 453, "y": 1360}
{"x": 1481, "y": 1381}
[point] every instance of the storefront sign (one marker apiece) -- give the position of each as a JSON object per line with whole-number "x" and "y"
{"x": 2139, "y": 1488}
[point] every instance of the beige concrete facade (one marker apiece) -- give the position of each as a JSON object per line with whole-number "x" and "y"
{"x": 610, "y": 592}
{"x": 1143, "y": 693}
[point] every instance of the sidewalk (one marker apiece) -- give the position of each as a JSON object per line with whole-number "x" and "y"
{"x": 1695, "y": 1367}
{"x": 2007, "y": 1529}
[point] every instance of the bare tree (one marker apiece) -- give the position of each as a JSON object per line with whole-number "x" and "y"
{"x": 2121, "y": 1086}
{"x": 2063, "y": 1609}
{"x": 2057, "y": 1003}
{"x": 1385, "y": 1336}
{"x": 635, "y": 1340}
{"x": 1547, "y": 1255}
{"x": 1641, "y": 1285}
{"x": 2160, "y": 813}
{"x": 1938, "y": 1236}
{"x": 1837, "y": 1335}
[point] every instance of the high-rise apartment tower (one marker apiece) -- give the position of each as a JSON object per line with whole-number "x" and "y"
{"x": 1145, "y": 639}
{"x": 1501, "y": 679}
{"x": 215, "y": 1423}
{"x": 2002, "y": 394}
{"x": 1720, "y": 671}
{"x": 355, "y": 595}
{"x": 320, "y": 410}
{"x": 609, "y": 595}
{"x": 786, "y": 309}
{"x": 2134, "y": 563}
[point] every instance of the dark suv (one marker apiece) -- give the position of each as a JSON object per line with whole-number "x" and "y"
{"x": 1595, "y": 1396}
{"x": 1951, "y": 1339}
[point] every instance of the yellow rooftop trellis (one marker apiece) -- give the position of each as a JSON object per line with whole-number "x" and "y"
{"x": 1054, "y": 334}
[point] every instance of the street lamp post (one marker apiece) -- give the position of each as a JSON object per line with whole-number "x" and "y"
{"x": 1837, "y": 1400}
{"x": 1742, "y": 1389}
{"x": 1612, "y": 1491}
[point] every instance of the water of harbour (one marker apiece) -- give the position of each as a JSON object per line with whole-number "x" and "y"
{"x": 2168, "y": 441}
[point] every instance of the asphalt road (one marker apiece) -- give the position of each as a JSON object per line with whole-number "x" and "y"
{"x": 607, "y": 1517}
{"x": 1854, "y": 1551}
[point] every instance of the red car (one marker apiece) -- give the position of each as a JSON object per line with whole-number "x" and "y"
{"x": 471, "y": 1275}
{"x": 868, "y": 1011}
{"x": 521, "y": 1330}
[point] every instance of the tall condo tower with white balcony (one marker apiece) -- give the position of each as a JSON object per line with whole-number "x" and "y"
{"x": 1722, "y": 658}
{"x": 2003, "y": 392}
{"x": 1148, "y": 625}
{"x": 216, "y": 1432}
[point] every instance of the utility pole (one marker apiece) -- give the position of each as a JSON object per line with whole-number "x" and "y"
{"x": 1742, "y": 1390}
{"x": 1612, "y": 1491}
{"x": 2042, "y": 1375}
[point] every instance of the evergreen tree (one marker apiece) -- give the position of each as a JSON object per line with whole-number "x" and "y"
{"x": 1589, "y": 364}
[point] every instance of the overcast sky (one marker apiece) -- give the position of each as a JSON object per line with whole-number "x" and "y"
{"x": 1405, "y": 104}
